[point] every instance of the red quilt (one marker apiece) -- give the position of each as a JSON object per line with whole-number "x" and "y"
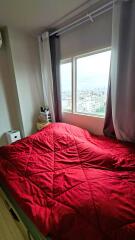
{"x": 73, "y": 185}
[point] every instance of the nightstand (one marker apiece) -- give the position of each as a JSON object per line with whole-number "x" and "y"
{"x": 41, "y": 125}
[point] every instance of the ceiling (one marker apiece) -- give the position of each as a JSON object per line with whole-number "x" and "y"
{"x": 37, "y": 15}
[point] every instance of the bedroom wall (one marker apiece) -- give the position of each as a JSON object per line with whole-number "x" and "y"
{"x": 20, "y": 83}
{"x": 25, "y": 57}
{"x": 93, "y": 124}
{"x": 8, "y": 99}
{"x": 86, "y": 38}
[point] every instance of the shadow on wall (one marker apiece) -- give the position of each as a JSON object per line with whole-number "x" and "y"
{"x": 34, "y": 128}
{"x": 9, "y": 86}
{"x": 3, "y": 139}
{"x": 7, "y": 101}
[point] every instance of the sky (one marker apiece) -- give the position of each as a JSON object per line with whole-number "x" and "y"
{"x": 92, "y": 72}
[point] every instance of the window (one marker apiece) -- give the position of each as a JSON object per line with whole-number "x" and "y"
{"x": 90, "y": 81}
{"x": 66, "y": 85}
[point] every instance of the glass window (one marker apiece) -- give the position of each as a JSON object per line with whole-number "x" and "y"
{"x": 66, "y": 86}
{"x": 92, "y": 83}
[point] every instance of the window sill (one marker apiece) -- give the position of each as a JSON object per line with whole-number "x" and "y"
{"x": 84, "y": 114}
{"x": 94, "y": 123}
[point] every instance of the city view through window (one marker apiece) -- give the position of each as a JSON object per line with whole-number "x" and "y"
{"x": 66, "y": 86}
{"x": 92, "y": 74}
{"x": 92, "y": 83}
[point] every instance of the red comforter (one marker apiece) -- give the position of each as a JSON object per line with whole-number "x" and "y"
{"x": 71, "y": 184}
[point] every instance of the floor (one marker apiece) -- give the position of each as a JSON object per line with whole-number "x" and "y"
{"x": 10, "y": 229}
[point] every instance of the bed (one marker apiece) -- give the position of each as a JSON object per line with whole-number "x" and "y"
{"x": 71, "y": 184}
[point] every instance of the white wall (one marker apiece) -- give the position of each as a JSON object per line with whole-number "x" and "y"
{"x": 86, "y": 38}
{"x": 5, "y": 123}
{"x": 20, "y": 83}
{"x": 25, "y": 57}
{"x": 8, "y": 115}
{"x": 92, "y": 123}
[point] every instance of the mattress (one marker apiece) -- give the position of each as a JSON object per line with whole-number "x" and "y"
{"x": 72, "y": 184}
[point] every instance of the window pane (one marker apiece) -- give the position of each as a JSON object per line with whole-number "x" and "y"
{"x": 92, "y": 83}
{"x": 66, "y": 86}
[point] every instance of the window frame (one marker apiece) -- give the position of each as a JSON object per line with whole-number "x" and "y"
{"x": 64, "y": 61}
{"x": 73, "y": 61}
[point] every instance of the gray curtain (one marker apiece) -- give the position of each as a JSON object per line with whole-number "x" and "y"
{"x": 55, "y": 60}
{"x": 120, "y": 112}
{"x": 108, "y": 126}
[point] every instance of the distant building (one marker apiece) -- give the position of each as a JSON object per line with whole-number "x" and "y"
{"x": 88, "y": 101}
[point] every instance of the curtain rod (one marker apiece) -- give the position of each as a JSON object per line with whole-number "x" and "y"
{"x": 88, "y": 17}
{"x": 85, "y": 20}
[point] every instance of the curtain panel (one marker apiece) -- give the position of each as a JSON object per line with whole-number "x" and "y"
{"x": 50, "y": 65}
{"x": 55, "y": 60}
{"x": 120, "y": 112}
